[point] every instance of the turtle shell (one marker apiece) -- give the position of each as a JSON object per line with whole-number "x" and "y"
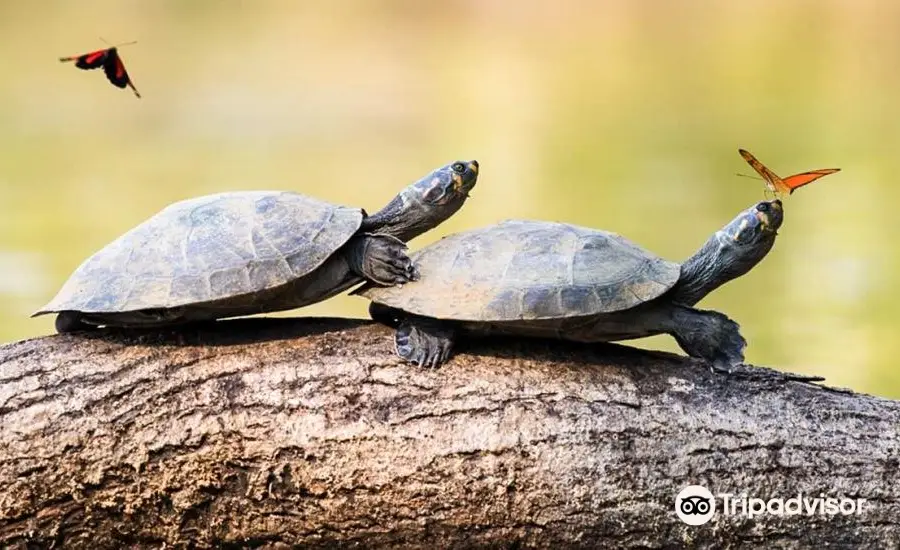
{"x": 529, "y": 270}
{"x": 208, "y": 249}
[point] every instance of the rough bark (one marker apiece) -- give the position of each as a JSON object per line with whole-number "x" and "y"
{"x": 267, "y": 433}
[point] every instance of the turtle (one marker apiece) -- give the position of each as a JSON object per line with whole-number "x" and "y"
{"x": 239, "y": 253}
{"x": 563, "y": 281}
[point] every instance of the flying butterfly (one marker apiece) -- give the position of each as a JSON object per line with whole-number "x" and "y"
{"x": 784, "y": 185}
{"x": 110, "y": 61}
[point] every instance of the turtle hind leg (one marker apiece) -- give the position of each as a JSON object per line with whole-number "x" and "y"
{"x": 381, "y": 259}
{"x": 425, "y": 342}
{"x": 709, "y": 335}
{"x": 71, "y": 321}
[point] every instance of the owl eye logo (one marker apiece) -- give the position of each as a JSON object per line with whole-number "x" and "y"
{"x": 695, "y": 505}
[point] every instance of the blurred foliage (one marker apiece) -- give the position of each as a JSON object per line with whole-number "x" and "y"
{"x": 622, "y": 115}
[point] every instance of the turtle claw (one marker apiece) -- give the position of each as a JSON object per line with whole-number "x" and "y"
{"x": 401, "y": 343}
{"x": 723, "y": 366}
{"x": 381, "y": 259}
{"x": 423, "y": 359}
{"x": 410, "y": 271}
{"x": 406, "y": 271}
{"x": 399, "y": 263}
{"x": 424, "y": 342}
{"x": 443, "y": 353}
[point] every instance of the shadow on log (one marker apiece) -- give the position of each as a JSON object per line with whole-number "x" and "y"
{"x": 277, "y": 432}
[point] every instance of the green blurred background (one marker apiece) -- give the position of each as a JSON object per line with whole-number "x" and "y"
{"x": 623, "y": 115}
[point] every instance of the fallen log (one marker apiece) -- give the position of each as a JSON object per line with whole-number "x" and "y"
{"x": 279, "y": 432}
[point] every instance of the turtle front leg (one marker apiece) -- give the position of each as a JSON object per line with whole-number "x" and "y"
{"x": 709, "y": 335}
{"x": 425, "y": 342}
{"x": 381, "y": 259}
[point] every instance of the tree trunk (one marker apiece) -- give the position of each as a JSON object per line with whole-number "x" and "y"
{"x": 278, "y": 432}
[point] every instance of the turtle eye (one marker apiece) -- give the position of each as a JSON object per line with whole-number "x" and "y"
{"x": 459, "y": 167}
{"x": 763, "y": 207}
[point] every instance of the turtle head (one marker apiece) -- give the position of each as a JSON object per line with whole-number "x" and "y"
{"x": 757, "y": 224}
{"x": 731, "y": 252}
{"x": 426, "y": 203}
{"x": 447, "y": 184}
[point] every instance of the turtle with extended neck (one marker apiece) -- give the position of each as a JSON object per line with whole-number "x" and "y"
{"x": 556, "y": 280}
{"x": 248, "y": 252}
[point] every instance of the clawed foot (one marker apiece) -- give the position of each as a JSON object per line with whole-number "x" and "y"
{"x": 381, "y": 259}
{"x": 723, "y": 367}
{"x": 711, "y": 336}
{"x": 424, "y": 342}
{"x": 730, "y": 354}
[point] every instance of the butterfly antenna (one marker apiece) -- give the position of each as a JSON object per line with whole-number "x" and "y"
{"x": 118, "y": 45}
{"x": 748, "y": 176}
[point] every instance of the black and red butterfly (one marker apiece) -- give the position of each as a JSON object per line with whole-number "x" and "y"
{"x": 110, "y": 61}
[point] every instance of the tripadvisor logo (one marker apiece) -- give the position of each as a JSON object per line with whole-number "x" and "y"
{"x": 696, "y": 505}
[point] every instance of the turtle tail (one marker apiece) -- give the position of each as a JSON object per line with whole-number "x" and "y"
{"x": 71, "y": 321}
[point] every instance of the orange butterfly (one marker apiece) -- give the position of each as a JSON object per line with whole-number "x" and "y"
{"x": 789, "y": 184}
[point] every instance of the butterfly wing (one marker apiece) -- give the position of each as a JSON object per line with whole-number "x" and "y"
{"x": 773, "y": 182}
{"x": 799, "y": 180}
{"x": 92, "y": 60}
{"x": 116, "y": 73}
